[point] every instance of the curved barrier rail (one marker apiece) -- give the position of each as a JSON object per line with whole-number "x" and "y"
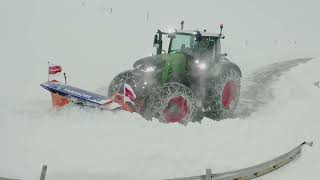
{"x": 242, "y": 174}
{"x": 254, "y": 171}
{"x": 1, "y": 178}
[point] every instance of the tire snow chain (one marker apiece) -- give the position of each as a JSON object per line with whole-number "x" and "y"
{"x": 254, "y": 171}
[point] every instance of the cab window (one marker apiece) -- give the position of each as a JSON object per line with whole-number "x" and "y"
{"x": 181, "y": 41}
{"x": 205, "y": 46}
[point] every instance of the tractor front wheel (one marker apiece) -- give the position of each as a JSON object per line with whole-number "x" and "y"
{"x": 173, "y": 102}
{"x": 118, "y": 80}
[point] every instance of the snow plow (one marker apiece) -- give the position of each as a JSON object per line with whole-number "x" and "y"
{"x": 183, "y": 83}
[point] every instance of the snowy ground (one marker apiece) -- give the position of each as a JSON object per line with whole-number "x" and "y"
{"x": 84, "y": 144}
{"x": 88, "y": 144}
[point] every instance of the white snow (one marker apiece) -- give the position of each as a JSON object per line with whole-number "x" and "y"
{"x": 93, "y": 46}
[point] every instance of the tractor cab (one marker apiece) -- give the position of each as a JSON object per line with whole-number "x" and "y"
{"x": 184, "y": 81}
{"x": 198, "y": 44}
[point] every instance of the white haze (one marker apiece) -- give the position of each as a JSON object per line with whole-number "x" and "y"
{"x": 94, "y": 45}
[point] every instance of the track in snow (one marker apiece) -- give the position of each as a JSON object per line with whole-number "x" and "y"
{"x": 256, "y": 88}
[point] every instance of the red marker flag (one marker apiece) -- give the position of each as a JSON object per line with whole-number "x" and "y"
{"x": 129, "y": 95}
{"x": 54, "y": 69}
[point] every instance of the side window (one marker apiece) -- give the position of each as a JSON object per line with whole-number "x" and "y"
{"x": 206, "y": 46}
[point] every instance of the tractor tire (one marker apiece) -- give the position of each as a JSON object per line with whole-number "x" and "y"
{"x": 118, "y": 80}
{"x": 222, "y": 94}
{"x": 173, "y": 102}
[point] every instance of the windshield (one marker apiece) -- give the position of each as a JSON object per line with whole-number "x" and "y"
{"x": 186, "y": 43}
{"x": 181, "y": 41}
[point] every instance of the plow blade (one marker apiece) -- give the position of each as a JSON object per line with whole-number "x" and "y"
{"x": 63, "y": 94}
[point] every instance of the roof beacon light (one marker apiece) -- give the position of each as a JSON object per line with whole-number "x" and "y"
{"x": 182, "y": 24}
{"x": 221, "y": 27}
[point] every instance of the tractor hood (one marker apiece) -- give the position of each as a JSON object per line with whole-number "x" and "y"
{"x": 159, "y": 69}
{"x": 149, "y": 61}
{"x": 159, "y": 61}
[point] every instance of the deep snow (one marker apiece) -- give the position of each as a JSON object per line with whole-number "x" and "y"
{"x": 93, "y": 46}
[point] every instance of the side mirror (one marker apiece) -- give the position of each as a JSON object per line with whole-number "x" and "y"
{"x": 155, "y": 41}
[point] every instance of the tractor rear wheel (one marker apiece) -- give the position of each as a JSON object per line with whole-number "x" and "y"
{"x": 222, "y": 94}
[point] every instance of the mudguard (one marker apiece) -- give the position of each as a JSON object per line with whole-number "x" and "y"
{"x": 221, "y": 66}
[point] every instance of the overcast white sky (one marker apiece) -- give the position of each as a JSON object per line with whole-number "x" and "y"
{"x": 258, "y": 18}
{"x": 35, "y": 31}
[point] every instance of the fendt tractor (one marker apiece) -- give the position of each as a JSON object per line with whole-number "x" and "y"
{"x": 189, "y": 80}
{"x": 185, "y": 82}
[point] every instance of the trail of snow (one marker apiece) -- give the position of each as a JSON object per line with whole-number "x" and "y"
{"x": 255, "y": 88}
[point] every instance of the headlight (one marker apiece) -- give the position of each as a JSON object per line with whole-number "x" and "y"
{"x": 202, "y": 66}
{"x": 149, "y": 69}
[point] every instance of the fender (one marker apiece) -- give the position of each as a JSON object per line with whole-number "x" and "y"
{"x": 218, "y": 68}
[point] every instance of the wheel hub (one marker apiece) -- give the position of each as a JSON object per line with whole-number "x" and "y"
{"x": 228, "y": 94}
{"x": 176, "y": 110}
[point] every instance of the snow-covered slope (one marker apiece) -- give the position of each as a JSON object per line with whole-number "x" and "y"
{"x": 83, "y": 144}
{"x": 93, "y": 45}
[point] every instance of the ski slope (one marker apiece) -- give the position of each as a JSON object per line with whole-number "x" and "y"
{"x": 278, "y": 109}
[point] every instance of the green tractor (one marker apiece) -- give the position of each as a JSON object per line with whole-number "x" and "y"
{"x": 189, "y": 80}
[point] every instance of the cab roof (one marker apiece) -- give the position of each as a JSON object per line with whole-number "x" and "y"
{"x": 203, "y": 33}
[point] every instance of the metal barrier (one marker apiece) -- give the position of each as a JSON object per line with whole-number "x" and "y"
{"x": 254, "y": 171}
{"x": 42, "y": 176}
{"x": 1, "y": 178}
{"x": 242, "y": 174}
{"x": 43, "y": 172}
